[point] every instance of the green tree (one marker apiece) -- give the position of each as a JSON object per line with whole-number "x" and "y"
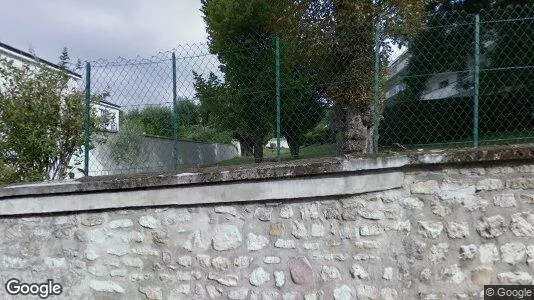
{"x": 41, "y": 121}
{"x": 210, "y": 92}
{"x": 304, "y": 100}
{"x": 429, "y": 54}
{"x": 242, "y": 33}
{"x": 342, "y": 38}
{"x": 303, "y": 107}
{"x": 453, "y": 21}
{"x": 509, "y": 47}
{"x": 189, "y": 113}
{"x": 239, "y": 34}
{"x": 126, "y": 149}
{"x": 221, "y": 110}
{"x": 64, "y": 58}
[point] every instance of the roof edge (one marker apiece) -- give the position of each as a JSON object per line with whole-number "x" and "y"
{"x": 32, "y": 57}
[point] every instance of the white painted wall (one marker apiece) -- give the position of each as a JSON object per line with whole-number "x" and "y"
{"x": 19, "y": 61}
{"x": 434, "y": 91}
{"x": 283, "y": 143}
{"x": 112, "y": 113}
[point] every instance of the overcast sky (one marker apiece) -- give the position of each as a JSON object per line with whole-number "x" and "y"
{"x": 94, "y": 29}
{"x": 107, "y": 29}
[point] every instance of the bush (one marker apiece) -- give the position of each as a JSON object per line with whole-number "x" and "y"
{"x": 206, "y": 134}
{"x": 7, "y": 174}
{"x": 319, "y": 135}
{"x": 41, "y": 120}
{"x": 126, "y": 148}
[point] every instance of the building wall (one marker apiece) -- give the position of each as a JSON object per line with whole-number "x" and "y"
{"x": 434, "y": 91}
{"x": 112, "y": 114}
{"x": 443, "y": 233}
{"x": 273, "y": 141}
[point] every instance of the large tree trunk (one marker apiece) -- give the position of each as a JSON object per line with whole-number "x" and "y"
{"x": 294, "y": 146}
{"x": 354, "y": 130}
{"x": 258, "y": 149}
{"x": 247, "y": 147}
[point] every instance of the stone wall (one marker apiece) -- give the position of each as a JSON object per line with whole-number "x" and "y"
{"x": 443, "y": 235}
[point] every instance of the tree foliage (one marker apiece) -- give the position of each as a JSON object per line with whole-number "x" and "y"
{"x": 445, "y": 48}
{"x": 41, "y": 120}
{"x": 126, "y": 149}
{"x": 328, "y": 45}
{"x": 158, "y": 120}
{"x": 242, "y": 34}
{"x": 152, "y": 120}
{"x": 341, "y": 37}
{"x": 509, "y": 53}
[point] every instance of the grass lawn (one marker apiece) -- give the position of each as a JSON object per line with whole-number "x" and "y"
{"x": 497, "y": 139}
{"x": 329, "y": 150}
{"x": 269, "y": 155}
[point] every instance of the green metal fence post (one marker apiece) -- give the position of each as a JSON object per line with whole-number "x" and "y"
{"x": 87, "y": 119}
{"x": 278, "y": 108}
{"x": 476, "y": 81}
{"x": 175, "y": 121}
{"x": 376, "y": 100}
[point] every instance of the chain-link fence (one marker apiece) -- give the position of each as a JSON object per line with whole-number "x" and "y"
{"x": 465, "y": 80}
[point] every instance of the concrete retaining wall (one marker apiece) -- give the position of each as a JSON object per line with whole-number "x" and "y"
{"x": 152, "y": 154}
{"x": 378, "y": 231}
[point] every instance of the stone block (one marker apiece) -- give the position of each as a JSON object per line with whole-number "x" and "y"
{"x": 457, "y": 230}
{"x": 425, "y": 187}
{"x": 489, "y": 184}
{"x": 523, "y": 224}
{"x": 259, "y": 276}
{"x": 430, "y": 229}
{"x": 149, "y": 222}
{"x": 301, "y": 271}
{"x": 513, "y": 253}
{"x": 491, "y": 227}
{"x": 489, "y": 253}
{"x": 227, "y": 237}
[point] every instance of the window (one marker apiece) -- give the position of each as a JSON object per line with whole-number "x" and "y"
{"x": 443, "y": 83}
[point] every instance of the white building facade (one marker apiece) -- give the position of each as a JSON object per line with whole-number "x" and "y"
{"x": 438, "y": 86}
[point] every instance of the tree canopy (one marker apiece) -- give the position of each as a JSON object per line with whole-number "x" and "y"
{"x": 327, "y": 45}
{"x": 445, "y": 49}
{"x": 503, "y": 44}
{"x": 242, "y": 35}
